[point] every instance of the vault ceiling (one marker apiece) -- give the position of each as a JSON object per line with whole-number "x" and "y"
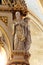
{"x": 33, "y": 5}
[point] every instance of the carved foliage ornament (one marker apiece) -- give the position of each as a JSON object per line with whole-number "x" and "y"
{"x": 17, "y": 5}
{"x": 4, "y": 19}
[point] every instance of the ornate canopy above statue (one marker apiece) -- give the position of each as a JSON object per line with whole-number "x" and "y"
{"x": 17, "y": 5}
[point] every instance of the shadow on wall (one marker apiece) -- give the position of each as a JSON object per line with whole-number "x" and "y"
{"x": 0, "y": 1}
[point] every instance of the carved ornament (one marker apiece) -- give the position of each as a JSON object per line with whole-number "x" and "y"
{"x": 4, "y": 19}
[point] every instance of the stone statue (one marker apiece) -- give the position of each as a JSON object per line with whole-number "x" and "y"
{"x": 21, "y": 33}
{"x": 27, "y": 34}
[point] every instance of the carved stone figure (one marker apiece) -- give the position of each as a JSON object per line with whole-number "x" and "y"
{"x": 27, "y": 34}
{"x": 21, "y": 33}
{"x": 19, "y": 36}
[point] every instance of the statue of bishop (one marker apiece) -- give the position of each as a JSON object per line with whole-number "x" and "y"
{"x": 22, "y": 37}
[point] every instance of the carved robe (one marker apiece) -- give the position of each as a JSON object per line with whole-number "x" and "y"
{"x": 22, "y": 37}
{"x": 19, "y": 36}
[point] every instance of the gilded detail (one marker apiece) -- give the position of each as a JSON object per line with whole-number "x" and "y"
{"x": 4, "y": 19}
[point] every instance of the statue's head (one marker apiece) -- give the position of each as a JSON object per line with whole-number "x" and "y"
{"x": 17, "y": 15}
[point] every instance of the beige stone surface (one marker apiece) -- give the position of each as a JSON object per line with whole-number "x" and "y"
{"x": 36, "y": 48}
{"x": 41, "y": 1}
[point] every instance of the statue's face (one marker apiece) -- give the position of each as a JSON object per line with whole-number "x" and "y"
{"x": 17, "y": 15}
